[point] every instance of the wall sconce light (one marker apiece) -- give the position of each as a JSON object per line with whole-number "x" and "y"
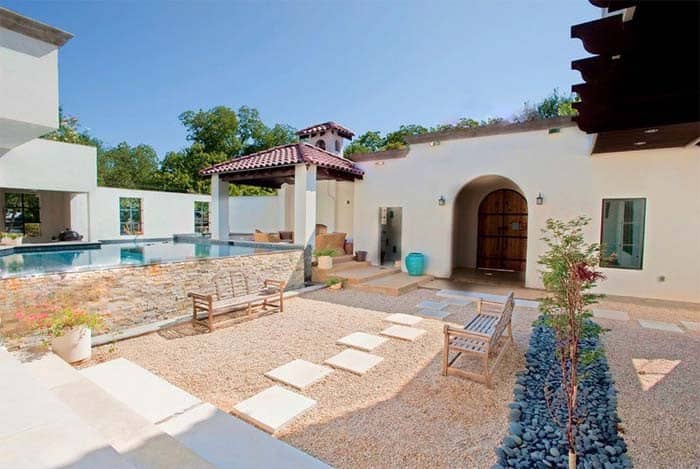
{"x": 539, "y": 199}
{"x": 441, "y": 200}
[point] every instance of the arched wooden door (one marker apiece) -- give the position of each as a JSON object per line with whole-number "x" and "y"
{"x": 502, "y": 235}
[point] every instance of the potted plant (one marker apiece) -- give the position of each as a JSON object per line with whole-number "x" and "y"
{"x": 324, "y": 258}
{"x": 334, "y": 283}
{"x": 68, "y": 331}
{"x": 11, "y": 239}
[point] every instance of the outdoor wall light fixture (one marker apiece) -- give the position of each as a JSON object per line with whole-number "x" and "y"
{"x": 441, "y": 200}
{"x": 539, "y": 199}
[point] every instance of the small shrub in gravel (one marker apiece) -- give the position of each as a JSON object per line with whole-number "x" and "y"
{"x": 535, "y": 438}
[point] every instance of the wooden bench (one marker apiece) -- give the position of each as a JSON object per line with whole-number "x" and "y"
{"x": 482, "y": 336}
{"x": 233, "y": 291}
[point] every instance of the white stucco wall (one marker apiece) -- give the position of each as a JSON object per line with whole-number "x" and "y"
{"x": 572, "y": 182}
{"x": 28, "y": 88}
{"x": 47, "y": 165}
{"x": 168, "y": 213}
{"x": 332, "y": 207}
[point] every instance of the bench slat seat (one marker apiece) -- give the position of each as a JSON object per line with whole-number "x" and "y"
{"x": 233, "y": 291}
{"x": 482, "y": 336}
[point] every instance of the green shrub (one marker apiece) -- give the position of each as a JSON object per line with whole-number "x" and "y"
{"x": 325, "y": 252}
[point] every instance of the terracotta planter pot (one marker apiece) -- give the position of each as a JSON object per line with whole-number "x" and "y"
{"x": 73, "y": 346}
{"x": 325, "y": 262}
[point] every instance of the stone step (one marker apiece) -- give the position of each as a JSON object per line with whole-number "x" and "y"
{"x": 40, "y": 431}
{"x": 134, "y": 437}
{"x": 395, "y": 284}
{"x": 353, "y": 277}
{"x": 321, "y": 275}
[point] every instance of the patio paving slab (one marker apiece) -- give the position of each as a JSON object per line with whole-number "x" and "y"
{"x": 403, "y": 332}
{"x": 354, "y": 361}
{"x": 659, "y": 325}
{"x": 434, "y": 313}
{"x": 610, "y": 314}
{"x": 362, "y": 341}
{"x": 691, "y": 326}
{"x": 431, "y": 305}
{"x": 227, "y": 441}
{"x": 475, "y": 295}
{"x": 458, "y": 301}
{"x": 299, "y": 374}
{"x": 404, "y": 319}
{"x": 273, "y": 408}
{"x": 145, "y": 393}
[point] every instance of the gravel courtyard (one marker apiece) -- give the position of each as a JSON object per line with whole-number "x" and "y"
{"x": 404, "y": 413}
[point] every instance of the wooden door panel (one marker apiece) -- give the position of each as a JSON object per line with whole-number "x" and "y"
{"x": 502, "y": 231}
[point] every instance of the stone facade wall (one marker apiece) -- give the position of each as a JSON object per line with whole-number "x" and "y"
{"x": 138, "y": 294}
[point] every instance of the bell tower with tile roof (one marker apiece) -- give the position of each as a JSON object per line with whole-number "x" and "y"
{"x": 328, "y": 136}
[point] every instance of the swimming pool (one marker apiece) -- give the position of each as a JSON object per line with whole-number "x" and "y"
{"x": 40, "y": 260}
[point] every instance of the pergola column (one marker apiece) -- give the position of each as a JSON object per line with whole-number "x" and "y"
{"x": 219, "y": 208}
{"x": 305, "y": 205}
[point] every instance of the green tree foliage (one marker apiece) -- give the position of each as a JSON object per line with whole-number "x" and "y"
{"x": 128, "y": 167}
{"x": 569, "y": 274}
{"x": 69, "y": 131}
{"x": 554, "y": 105}
{"x": 216, "y": 130}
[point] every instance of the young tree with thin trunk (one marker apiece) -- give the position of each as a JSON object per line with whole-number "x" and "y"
{"x": 569, "y": 274}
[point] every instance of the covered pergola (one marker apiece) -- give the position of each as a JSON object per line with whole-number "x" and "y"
{"x": 299, "y": 164}
{"x": 640, "y": 87}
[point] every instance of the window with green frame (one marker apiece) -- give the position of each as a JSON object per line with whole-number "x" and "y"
{"x": 130, "y": 216}
{"x": 22, "y": 214}
{"x": 622, "y": 233}
{"x": 201, "y": 217}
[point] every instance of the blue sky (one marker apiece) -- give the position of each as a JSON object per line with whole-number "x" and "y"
{"x": 133, "y": 67}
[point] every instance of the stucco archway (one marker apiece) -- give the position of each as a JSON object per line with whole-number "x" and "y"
{"x": 489, "y": 239}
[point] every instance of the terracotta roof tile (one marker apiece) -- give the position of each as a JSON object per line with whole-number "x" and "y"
{"x": 342, "y": 131}
{"x": 285, "y": 155}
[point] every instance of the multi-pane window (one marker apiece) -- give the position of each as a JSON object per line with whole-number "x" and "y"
{"x": 22, "y": 214}
{"x": 622, "y": 233}
{"x": 201, "y": 217}
{"x": 130, "y": 216}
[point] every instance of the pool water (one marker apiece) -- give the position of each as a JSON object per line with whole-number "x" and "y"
{"x": 113, "y": 255}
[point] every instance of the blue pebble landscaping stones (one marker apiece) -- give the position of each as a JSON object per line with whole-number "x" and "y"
{"x": 535, "y": 439}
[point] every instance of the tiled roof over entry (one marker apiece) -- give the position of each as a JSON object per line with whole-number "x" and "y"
{"x": 285, "y": 155}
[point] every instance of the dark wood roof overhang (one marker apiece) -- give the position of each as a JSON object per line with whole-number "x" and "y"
{"x": 645, "y": 78}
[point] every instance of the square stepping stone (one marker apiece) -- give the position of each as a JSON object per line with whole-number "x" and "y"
{"x": 431, "y": 313}
{"x": 405, "y": 319}
{"x": 273, "y": 408}
{"x": 362, "y": 341}
{"x": 403, "y": 332}
{"x": 609, "y": 314}
{"x": 299, "y": 374}
{"x": 354, "y": 361}
{"x": 431, "y": 305}
{"x": 659, "y": 326}
{"x": 691, "y": 326}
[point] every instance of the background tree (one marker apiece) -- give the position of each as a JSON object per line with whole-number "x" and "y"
{"x": 69, "y": 131}
{"x": 128, "y": 167}
{"x": 570, "y": 272}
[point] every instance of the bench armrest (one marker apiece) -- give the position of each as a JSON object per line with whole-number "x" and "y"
{"x": 451, "y": 331}
{"x": 199, "y": 296}
{"x": 278, "y": 284}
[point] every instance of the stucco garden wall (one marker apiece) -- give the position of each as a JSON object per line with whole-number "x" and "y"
{"x": 572, "y": 181}
{"x": 139, "y": 294}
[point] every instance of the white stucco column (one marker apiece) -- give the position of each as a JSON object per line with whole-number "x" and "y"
{"x": 282, "y": 207}
{"x": 79, "y": 214}
{"x": 304, "y": 205}
{"x": 219, "y": 208}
